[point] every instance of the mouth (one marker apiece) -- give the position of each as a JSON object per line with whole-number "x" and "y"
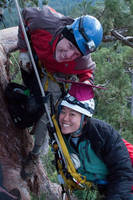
{"x": 65, "y": 125}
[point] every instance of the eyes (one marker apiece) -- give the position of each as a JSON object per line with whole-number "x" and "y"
{"x": 73, "y": 48}
{"x": 70, "y": 114}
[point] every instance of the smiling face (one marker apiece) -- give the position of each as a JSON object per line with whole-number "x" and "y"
{"x": 69, "y": 120}
{"x": 65, "y": 51}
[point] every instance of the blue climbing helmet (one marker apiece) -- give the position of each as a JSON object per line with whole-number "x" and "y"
{"x": 88, "y": 33}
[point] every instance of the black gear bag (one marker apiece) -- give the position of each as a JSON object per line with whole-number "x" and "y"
{"x": 25, "y": 108}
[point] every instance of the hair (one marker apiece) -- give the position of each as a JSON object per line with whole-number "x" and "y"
{"x": 69, "y": 35}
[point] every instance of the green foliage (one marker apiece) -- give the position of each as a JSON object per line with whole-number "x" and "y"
{"x": 82, "y": 8}
{"x": 117, "y": 14}
{"x": 42, "y": 197}
{"x": 87, "y": 194}
{"x": 63, "y": 6}
{"x": 112, "y": 104}
{"x": 130, "y": 4}
{"x": 14, "y": 68}
{"x": 48, "y": 162}
{"x": 87, "y": 7}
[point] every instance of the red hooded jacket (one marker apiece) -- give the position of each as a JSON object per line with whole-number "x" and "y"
{"x": 44, "y": 27}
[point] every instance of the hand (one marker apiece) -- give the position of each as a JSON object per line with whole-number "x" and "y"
{"x": 87, "y": 82}
{"x": 25, "y": 62}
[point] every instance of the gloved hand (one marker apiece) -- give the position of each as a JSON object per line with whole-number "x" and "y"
{"x": 25, "y": 62}
{"x": 75, "y": 160}
{"x": 87, "y": 82}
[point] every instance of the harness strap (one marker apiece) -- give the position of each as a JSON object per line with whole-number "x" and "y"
{"x": 62, "y": 87}
{"x": 49, "y": 75}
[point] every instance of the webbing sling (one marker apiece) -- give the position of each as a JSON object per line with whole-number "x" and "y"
{"x": 78, "y": 179}
{"x": 46, "y": 83}
{"x": 49, "y": 75}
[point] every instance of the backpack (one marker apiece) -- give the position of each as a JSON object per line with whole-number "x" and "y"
{"x": 25, "y": 108}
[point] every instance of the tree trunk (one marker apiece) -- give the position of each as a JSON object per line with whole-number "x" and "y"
{"x": 15, "y": 143}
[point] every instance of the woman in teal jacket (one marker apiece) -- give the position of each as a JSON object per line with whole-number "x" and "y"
{"x": 96, "y": 149}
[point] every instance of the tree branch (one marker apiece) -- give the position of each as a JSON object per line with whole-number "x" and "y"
{"x": 127, "y": 40}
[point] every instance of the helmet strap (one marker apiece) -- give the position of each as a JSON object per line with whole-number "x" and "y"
{"x": 77, "y": 133}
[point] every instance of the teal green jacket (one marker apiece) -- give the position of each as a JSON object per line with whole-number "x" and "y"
{"x": 90, "y": 165}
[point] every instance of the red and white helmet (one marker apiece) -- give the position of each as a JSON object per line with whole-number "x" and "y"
{"x": 80, "y": 98}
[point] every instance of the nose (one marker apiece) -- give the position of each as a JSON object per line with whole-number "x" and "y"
{"x": 66, "y": 117}
{"x": 69, "y": 54}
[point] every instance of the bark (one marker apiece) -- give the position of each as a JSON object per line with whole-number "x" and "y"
{"x": 15, "y": 143}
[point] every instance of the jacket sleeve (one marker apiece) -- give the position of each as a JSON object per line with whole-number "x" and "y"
{"x": 116, "y": 157}
{"x": 21, "y": 40}
{"x": 86, "y": 66}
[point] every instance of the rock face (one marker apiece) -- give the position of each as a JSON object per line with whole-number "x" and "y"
{"x": 15, "y": 143}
